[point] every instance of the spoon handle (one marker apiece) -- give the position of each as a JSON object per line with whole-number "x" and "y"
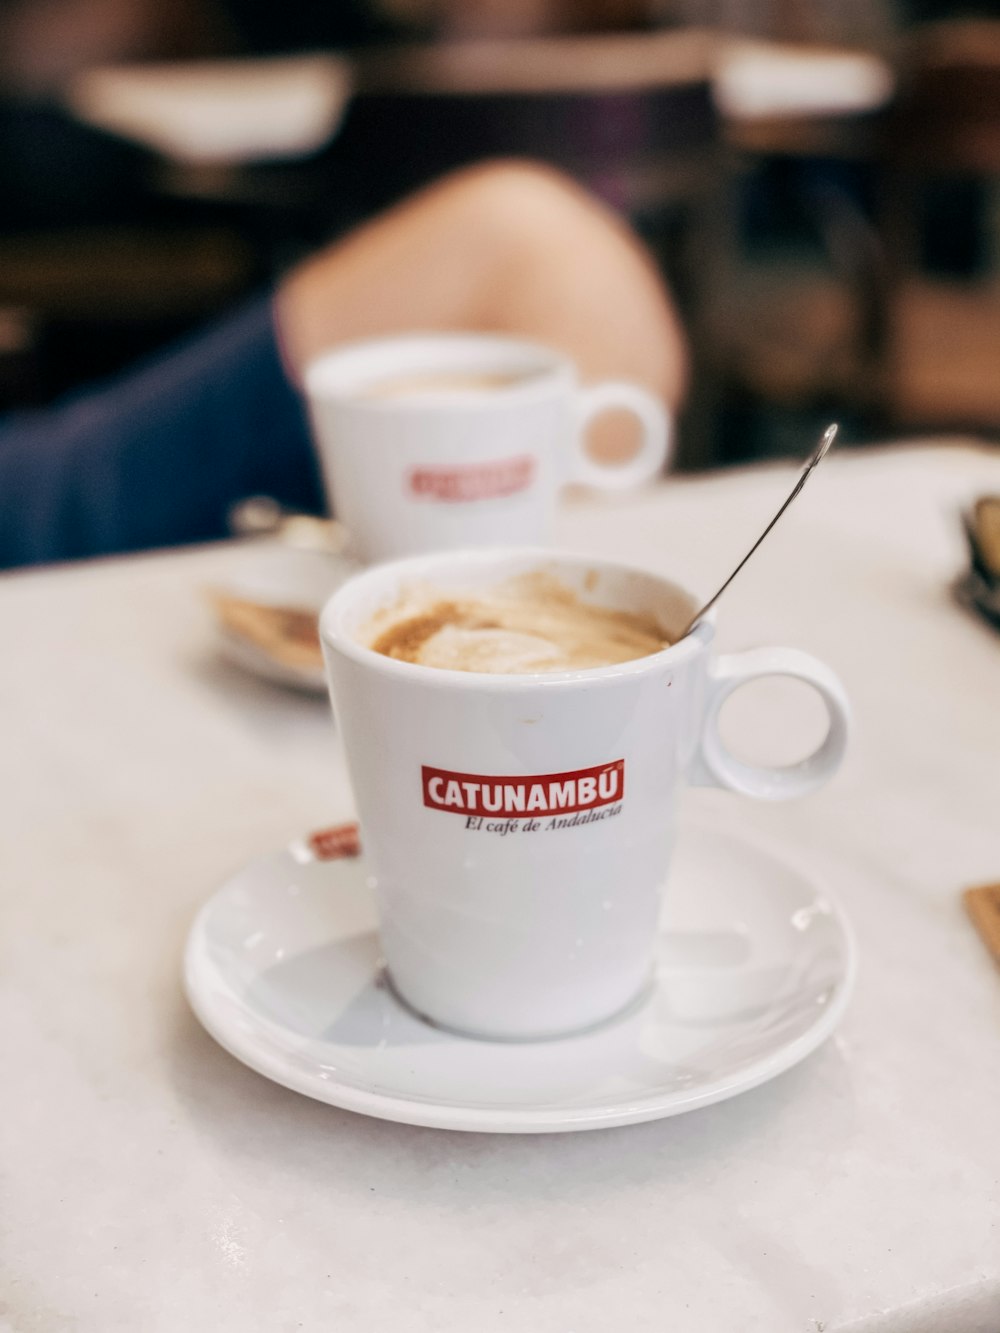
{"x": 818, "y": 454}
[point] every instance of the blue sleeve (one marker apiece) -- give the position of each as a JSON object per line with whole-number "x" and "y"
{"x": 156, "y": 456}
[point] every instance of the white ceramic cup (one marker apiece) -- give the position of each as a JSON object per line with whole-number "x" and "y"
{"x": 440, "y": 468}
{"x": 519, "y": 828}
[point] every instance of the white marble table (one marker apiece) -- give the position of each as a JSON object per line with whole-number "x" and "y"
{"x": 152, "y": 1183}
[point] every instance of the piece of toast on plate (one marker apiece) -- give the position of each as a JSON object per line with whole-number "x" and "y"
{"x": 288, "y": 634}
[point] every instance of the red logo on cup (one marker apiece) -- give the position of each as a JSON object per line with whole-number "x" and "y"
{"x": 458, "y": 483}
{"x": 330, "y": 844}
{"x": 522, "y": 797}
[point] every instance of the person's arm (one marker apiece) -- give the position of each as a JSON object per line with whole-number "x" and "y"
{"x": 156, "y": 456}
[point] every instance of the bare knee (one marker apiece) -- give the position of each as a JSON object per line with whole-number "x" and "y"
{"x": 526, "y": 201}
{"x": 575, "y": 272}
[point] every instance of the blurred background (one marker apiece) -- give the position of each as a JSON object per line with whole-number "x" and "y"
{"x": 819, "y": 179}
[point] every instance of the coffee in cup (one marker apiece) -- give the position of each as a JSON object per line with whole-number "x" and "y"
{"x": 530, "y": 623}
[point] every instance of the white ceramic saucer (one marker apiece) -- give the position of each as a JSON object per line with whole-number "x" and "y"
{"x": 755, "y": 967}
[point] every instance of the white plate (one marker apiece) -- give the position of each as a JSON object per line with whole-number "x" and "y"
{"x": 755, "y": 966}
{"x": 274, "y": 573}
{"x": 219, "y": 111}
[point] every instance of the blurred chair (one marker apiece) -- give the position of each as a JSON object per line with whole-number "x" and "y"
{"x": 941, "y": 230}
{"x": 792, "y": 319}
{"x": 629, "y": 115}
{"x": 77, "y": 303}
{"x": 96, "y": 268}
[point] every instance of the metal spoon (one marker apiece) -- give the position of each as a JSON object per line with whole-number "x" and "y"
{"x": 261, "y": 516}
{"x": 818, "y": 454}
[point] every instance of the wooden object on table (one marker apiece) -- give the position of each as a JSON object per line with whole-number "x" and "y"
{"x": 986, "y": 526}
{"x": 983, "y": 907}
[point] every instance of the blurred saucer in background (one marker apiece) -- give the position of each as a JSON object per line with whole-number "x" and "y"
{"x": 267, "y": 611}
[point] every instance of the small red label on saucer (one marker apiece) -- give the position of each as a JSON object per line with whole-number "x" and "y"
{"x": 458, "y": 483}
{"x": 521, "y": 797}
{"x": 330, "y": 844}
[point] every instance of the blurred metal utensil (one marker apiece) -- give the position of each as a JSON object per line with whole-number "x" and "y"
{"x": 982, "y": 531}
{"x": 815, "y": 458}
{"x": 978, "y": 587}
{"x": 262, "y": 516}
{"x": 973, "y": 592}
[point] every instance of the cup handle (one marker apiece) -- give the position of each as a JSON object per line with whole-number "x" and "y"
{"x": 715, "y": 766}
{"x": 654, "y": 447}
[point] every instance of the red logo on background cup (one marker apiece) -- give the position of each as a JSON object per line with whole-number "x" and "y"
{"x": 522, "y": 797}
{"x": 459, "y": 483}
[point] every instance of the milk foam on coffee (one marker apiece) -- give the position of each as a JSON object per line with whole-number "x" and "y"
{"x": 444, "y": 382}
{"x": 524, "y": 625}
